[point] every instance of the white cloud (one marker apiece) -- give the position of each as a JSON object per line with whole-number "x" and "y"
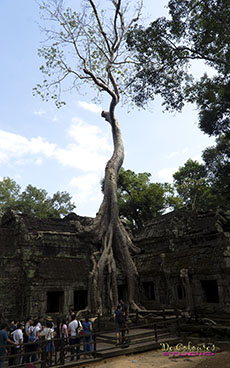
{"x": 185, "y": 150}
{"x": 90, "y": 149}
{"x": 87, "y": 135}
{"x": 166, "y": 174}
{"x": 17, "y": 147}
{"x": 88, "y": 191}
{"x": 40, "y": 112}
{"x": 87, "y": 187}
{"x": 90, "y": 107}
{"x": 171, "y": 155}
{"x": 80, "y": 158}
{"x": 38, "y": 161}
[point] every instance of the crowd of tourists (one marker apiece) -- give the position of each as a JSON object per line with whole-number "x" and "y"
{"x": 21, "y": 341}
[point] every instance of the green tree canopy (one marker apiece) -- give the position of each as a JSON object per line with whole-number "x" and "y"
{"x": 196, "y": 30}
{"x": 9, "y": 194}
{"x": 140, "y": 200}
{"x": 192, "y": 186}
{"x": 217, "y": 162}
{"x": 33, "y": 201}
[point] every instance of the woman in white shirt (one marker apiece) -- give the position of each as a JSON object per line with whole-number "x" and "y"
{"x": 49, "y": 334}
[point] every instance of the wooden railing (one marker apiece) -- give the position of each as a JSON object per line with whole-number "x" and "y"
{"x": 103, "y": 342}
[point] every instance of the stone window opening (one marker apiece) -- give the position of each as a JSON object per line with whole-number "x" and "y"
{"x": 80, "y": 299}
{"x": 210, "y": 288}
{"x": 180, "y": 292}
{"x": 149, "y": 290}
{"x": 55, "y": 301}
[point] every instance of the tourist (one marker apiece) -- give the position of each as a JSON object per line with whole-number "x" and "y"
{"x": 87, "y": 337}
{"x": 64, "y": 330}
{"x": 34, "y": 331}
{"x": 3, "y": 342}
{"x": 74, "y": 329}
{"x": 49, "y": 334}
{"x": 69, "y": 315}
{"x": 17, "y": 336}
{"x": 26, "y": 357}
{"x": 119, "y": 322}
{"x": 125, "y": 328}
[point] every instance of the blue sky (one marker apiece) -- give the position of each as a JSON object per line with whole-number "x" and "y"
{"x": 67, "y": 149}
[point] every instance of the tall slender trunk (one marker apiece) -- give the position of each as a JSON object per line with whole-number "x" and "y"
{"x": 115, "y": 241}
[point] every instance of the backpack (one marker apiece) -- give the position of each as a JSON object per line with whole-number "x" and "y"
{"x": 78, "y": 329}
{"x": 120, "y": 318}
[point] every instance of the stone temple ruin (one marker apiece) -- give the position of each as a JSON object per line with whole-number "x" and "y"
{"x": 184, "y": 263}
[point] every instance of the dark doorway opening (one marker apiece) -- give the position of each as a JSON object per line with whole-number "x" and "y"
{"x": 149, "y": 291}
{"x": 55, "y": 301}
{"x": 80, "y": 299}
{"x": 121, "y": 292}
{"x": 210, "y": 289}
{"x": 180, "y": 292}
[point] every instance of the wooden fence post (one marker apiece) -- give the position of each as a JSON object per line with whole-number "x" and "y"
{"x": 98, "y": 322}
{"x": 95, "y": 345}
{"x": 155, "y": 331}
{"x": 177, "y": 323}
{"x": 62, "y": 351}
{"x": 43, "y": 353}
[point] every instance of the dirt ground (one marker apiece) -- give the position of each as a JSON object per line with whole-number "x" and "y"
{"x": 155, "y": 359}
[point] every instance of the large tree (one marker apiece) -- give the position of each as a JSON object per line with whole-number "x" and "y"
{"x": 165, "y": 51}
{"x": 140, "y": 200}
{"x": 33, "y": 201}
{"x": 9, "y": 194}
{"x": 89, "y": 47}
{"x": 193, "y": 187}
{"x": 217, "y": 163}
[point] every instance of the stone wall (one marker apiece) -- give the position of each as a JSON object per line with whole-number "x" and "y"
{"x": 44, "y": 265}
{"x": 185, "y": 262}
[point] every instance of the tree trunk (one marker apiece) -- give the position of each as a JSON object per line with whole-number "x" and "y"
{"x": 115, "y": 241}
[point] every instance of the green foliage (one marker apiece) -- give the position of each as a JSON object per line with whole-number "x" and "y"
{"x": 33, "y": 201}
{"x": 217, "y": 162}
{"x": 197, "y": 30}
{"x": 9, "y": 194}
{"x": 193, "y": 187}
{"x": 83, "y": 48}
{"x": 140, "y": 200}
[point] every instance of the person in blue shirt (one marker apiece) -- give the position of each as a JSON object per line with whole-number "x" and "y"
{"x": 87, "y": 339}
{"x": 119, "y": 322}
{"x": 3, "y": 342}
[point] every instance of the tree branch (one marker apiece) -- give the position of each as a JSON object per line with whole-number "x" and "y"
{"x": 100, "y": 25}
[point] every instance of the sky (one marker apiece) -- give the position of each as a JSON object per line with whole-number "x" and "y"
{"x": 66, "y": 149}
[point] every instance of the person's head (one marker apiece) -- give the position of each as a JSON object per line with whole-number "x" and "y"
{"x": 3, "y": 326}
{"x": 63, "y": 321}
{"x": 20, "y": 326}
{"x": 73, "y": 316}
{"x": 48, "y": 324}
{"x": 86, "y": 319}
{"x": 30, "y": 321}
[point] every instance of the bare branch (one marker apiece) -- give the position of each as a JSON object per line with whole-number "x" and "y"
{"x": 100, "y": 83}
{"x": 138, "y": 14}
{"x": 117, "y": 6}
{"x": 100, "y": 25}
